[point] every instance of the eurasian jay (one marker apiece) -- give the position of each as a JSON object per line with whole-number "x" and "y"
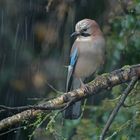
{"x": 87, "y": 55}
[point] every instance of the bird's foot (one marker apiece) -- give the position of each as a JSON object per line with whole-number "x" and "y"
{"x": 84, "y": 87}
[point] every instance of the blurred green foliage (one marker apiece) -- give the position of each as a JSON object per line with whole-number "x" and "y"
{"x": 34, "y": 48}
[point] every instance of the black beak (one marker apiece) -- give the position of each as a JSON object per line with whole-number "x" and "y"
{"x": 75, "y": 34}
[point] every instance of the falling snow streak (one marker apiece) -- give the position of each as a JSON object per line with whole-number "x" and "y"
{"x": 2, "y": 64}
{"x": 26, "y": 30}
{"x": 15, "y": 45}
{"x": 2, "y": 23}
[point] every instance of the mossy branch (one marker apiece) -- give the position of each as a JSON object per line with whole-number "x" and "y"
{"x": 102, "y": 82}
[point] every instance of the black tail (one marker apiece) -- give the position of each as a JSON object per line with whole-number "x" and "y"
{"x": 74, "y": 110}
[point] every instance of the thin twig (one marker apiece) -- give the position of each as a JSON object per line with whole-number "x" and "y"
{"x": 67, "y": 105}
{"x": 35, "y": 107}
{"x": 11, "y": 130}
{"x": 49, "y": 5}
{"x": 118, "y": 106}
{"x": 54, "y": 89}
{"x": 138, "y": 102}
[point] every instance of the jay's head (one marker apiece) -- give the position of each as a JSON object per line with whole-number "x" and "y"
{"x": 86, "y": 27}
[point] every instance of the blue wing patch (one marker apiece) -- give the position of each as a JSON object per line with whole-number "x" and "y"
{"x": 74, "y": 57}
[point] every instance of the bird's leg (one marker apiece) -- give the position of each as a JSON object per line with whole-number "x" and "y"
{"x": 83, "y": 85}
{"x": 81, "y": 82}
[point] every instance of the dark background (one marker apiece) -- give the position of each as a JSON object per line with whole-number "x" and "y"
{"x": 34, "y": 50}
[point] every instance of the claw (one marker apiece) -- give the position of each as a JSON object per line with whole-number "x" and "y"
{"x": 83, "y": 86}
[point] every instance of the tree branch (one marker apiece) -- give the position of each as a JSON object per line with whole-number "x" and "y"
{"x": 102, "y": 82}
{"x": 118, "y": 106}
